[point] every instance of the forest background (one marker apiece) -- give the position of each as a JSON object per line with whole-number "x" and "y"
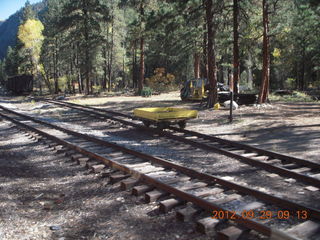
{"x": 91, "y": 46}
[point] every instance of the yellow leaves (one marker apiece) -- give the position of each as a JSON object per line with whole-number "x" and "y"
{"x": 159, "y": 71}
{"x": 276, "y": 53}
{"x": 160, "y": 78}
{"x": 30, "y": 33}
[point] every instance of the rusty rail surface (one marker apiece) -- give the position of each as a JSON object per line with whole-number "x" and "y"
{"x": 204, "y": 204}
{"x": 256, "y": 163}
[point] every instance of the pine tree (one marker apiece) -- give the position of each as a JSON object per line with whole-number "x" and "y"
{"x": 82, "y": 21}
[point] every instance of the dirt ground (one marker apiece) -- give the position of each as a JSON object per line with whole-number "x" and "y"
{"x": 45, "y": 196}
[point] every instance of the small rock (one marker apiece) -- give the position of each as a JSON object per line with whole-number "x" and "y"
{"x": 290, "y": 180}
{"x": 55, "y": 228}
{"x": 235, "y": 106}
{"x": 301, "y": 193}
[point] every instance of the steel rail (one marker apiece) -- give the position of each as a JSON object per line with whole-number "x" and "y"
{"x": 263, "y": 165}
{"x": 315, "y": 213}
{"x": 260, "y": 151}
{"x": 204, "y": 204}
{"x": 209, "y": 137}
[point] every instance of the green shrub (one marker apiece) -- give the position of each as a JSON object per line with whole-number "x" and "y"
{"x": 295, "y": 97}
{"x": 146, "y": 92}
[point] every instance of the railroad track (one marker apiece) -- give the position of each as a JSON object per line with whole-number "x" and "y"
{"x": 281, "y": 164}
{"x": 215, "y": 203}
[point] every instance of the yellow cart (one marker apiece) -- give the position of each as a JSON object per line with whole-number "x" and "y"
{"x": 163, "y": 117}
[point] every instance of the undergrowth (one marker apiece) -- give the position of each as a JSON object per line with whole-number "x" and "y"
{"x": 296, "y": 96}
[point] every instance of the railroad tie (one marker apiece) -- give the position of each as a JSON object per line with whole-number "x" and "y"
{"x": 166, "y": 205}
{"x": 75, "y": 157}
{"x": 317, "y": 176}
{"x": 60, "y": 149}
{"x": 128, "y": 183}
{"x": 82, "y": 161}
{"x": 154, "y": 195}
{"x": 92, "y": 163}
{"x": 230, "y": 233}
{"x": 209, "y": 192}
{"x": 98, "y": 168}
{"x": 301, "y": 170}
{"x": 187, "y": 213}
{"x": 117, "y": 177}
{"x": 139, "y": 190}
{"x": 261, "y": 158}
{"x": 69, "y": 153}
{"x": 206, "y": 225}
{"x": 290, "y": 166}
{"x": 226, "y": 199}
{"x": 249, "y": 155}
{"x": 305, "y": 230}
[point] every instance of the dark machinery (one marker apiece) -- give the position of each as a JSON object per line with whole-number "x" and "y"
{"x": 197, "y": 90}
{"x": 20, "y": 84}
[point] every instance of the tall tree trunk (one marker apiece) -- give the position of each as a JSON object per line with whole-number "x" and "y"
{"x": 249, "y": 72}
{"x": 134, "y": 63}
{"x": 264, "y": 88}
{"x": 87, "y": 55}
{"x": 55, "y": 67}
{"x": 212, "y": 69}
{"x": 141, "y": 77}
{"x": 302, "y": 64}
{"x": 105, "y": 68}
{"x": 196, "y": 60}
{"x": 236, "y": 60}
{"x": 111, "y": 56}
{"x": 204, "y": 47}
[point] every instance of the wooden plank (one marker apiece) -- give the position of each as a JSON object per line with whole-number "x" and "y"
{"x": 305, "y": 230}
{"x": 128, "y": 183}
{"x": 166, "y": 205}
{"x": 274, "y": 161}
{"x": 190, "y": 186}
{"x": 249, "y": 155}
{"x": 317, "y": 176}
{"x": 187, "y": 213}
{"x": 251, "y": 206}
{"x": 69, "y": 153}
{"x": 260, "y": 158}
{"x": 154, "y": 195}
{"x": 206, "y": 225}
{"x": 83, "y": 161}
{"x": 301, "y": 170}
{"x": 76, "y": 156}
{"x": 209, "y": 192}
{"x": 117, "y": 177}
{"x": 290, "y": 166}
{"x": 138, "y": 190}
{"x": 91, "y": 163}
{"x": 97, "y": 168}
{"x": 226, "y": 199}
{"x": 149, "y": 169}
{"x": 230, "y": 233}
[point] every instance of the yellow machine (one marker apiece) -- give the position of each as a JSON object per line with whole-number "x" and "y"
{"x": 163, "y": 117}
{"x": 194, "y": 89}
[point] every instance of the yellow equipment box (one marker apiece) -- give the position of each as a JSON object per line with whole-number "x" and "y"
{"x": 164, "y": 116}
